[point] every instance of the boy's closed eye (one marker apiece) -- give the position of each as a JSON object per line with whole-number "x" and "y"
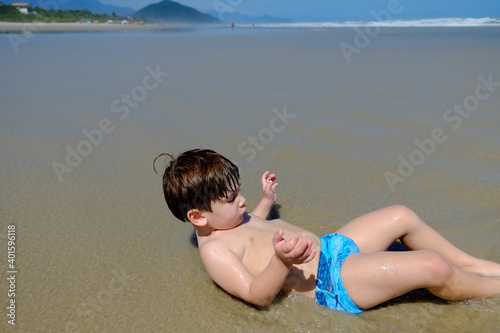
{"x": 231, "y": 196}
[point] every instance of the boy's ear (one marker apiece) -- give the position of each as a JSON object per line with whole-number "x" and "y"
{"x": 196, "y": 217}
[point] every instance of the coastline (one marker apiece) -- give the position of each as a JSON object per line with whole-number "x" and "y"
{"x": 33, "y": 27}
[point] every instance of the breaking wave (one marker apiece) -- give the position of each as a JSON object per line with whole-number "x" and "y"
{"x": 440, "y": 22}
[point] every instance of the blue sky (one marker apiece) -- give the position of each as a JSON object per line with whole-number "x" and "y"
{"x": 339, "y": 10}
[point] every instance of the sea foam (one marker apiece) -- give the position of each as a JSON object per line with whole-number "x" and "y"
{"x": 438, "y": 22}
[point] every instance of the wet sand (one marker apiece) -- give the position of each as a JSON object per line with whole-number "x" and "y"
{"x": 84, "y": 115}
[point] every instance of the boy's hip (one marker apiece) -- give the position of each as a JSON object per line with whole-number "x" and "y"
{"x": 330, "y": 291}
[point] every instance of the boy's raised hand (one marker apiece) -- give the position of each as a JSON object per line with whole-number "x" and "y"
{"x": 269, "y": 196}
{"x": 292, "y": 252}
{"x": 269, "y": 186}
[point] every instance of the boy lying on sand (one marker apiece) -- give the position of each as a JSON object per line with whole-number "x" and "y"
{"x": 253, "y": 259}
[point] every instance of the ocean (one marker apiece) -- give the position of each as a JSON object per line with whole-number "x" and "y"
{"x": 350, "y": 118}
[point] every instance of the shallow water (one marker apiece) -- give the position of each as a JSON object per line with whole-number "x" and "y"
{"x": 97, "y": 249}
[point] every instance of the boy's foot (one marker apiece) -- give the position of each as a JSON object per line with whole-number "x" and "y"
{"x": 486, "y": 268}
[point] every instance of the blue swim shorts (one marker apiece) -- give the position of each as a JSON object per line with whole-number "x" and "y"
{"x": 329, "y": 288}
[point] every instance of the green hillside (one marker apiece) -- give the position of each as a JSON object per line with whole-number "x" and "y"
{"x": 173, "y": 12}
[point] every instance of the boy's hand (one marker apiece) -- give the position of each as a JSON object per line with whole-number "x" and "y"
{"x": 292, "y": 252}
{"x": 269, "y": 186}
{"x": 269, "y": 196}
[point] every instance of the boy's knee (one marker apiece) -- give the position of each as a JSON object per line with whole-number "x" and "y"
{"x": 401, "y": 213}
{"x": 439, "y": 270}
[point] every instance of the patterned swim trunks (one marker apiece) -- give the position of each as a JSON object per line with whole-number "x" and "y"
{"x": 329, "y": 288}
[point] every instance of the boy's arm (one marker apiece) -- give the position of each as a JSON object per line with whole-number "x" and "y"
{"x": 226, "y": 269}
{"x": 269, "y": 196}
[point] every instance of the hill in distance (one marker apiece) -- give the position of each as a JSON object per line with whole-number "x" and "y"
{"x": 173, "y": 12}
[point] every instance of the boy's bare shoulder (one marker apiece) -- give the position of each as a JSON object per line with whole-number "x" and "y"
{"x": 221, "y": 242}
{"x": 212, "y": 247}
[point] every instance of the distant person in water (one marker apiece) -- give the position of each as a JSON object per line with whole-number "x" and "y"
{"x": 232, "y": 25}
{"x": 350, "y": 270}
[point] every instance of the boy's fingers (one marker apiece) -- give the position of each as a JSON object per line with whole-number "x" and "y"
{"x": 290, "y": 245}
{"x": 310, "y": 257}
{"x": 311, "y": 253}
{"x": 265, "y": 175}
{"x": 263, "y": 179}
{"x": 301, "y": 250}
{"x": 278, "y": 236}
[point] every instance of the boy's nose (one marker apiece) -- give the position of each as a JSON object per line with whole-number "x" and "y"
{"x": 242, "y": 201}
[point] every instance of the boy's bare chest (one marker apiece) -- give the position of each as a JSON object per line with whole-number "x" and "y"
{"x": 255, "y": 247}
{"x": 255, "y": 242}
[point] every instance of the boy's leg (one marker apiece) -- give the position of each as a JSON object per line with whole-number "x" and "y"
{"x": 377, "y": 230}
{"x": 373, "y": 278}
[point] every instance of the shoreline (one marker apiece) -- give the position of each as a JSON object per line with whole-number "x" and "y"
{"x": 34, "y": 27}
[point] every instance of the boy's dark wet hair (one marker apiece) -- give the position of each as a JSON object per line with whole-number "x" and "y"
{"x": 195, "y": 179}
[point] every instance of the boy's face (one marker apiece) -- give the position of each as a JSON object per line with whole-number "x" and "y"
{"x": 228, "y": 213}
